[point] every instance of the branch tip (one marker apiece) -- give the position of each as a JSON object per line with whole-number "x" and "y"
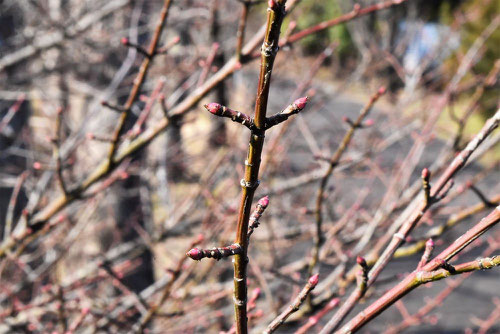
{"x": 213, "y": 108}
{"x": 301, "y": 102}
{"x": 314, "y": 279}
{"x": 272, "y": 4}
{"x": 429, "y": 243}
{"x": 195, "y": 254}
{"x": 264, "y": 202}
{"x": 362, "y": 262}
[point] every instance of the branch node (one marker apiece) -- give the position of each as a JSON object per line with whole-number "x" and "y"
{"x": 426, "y": 174}
{"x": 249, "y": 184}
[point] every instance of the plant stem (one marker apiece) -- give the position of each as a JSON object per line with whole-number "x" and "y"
{"x": 275, "y": 15}
{"x": 430, "y": 272}
{"x": 294, "y": 307}
{"x": 333, "y": 162}
{"x": 139, "y": 80}
{"x": 406, "y": 228}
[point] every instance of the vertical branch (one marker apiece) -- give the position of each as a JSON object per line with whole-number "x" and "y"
{"x": 240, "y": 34}
{"x": 334, "y": 160}
{"x": 275, "y": 15}
{"x": 56, "y": 142}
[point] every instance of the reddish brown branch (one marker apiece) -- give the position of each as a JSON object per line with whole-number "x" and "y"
{"x": 294, "y": 307}
{"x": 214, "y": 253}
{"x": 236, "y": 116}
{"x": 356, "y": 12}
{"x": 431, "y": 272}
{"x": 292, "y": 109}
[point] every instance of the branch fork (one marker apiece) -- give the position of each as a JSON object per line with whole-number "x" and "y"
{"x": 242, "y": 118}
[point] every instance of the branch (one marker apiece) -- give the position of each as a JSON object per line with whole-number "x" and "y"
{"x": 333, "y": 162}
{"x": 214, "y": 253}
{"x": 292, "y": 109}
{"x": 236, "y": 116}
{"x": 429, "y": 247}
{"x": 431, "y": 272}
{"x": 166, "y": 292}
{"x": 356, "y": 12}
{"x": 138, "y": 81}
{"x": 294, "y": 307}
{"x": 399, "y": 237}
{"x": 56, "y": 142}
{"x": 275, "y": 16}
{"x": 253, "y": 222}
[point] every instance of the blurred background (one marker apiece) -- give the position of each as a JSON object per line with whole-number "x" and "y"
{"x": 99, "y": 265}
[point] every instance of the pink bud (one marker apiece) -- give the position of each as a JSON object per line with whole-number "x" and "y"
{"x": 313, "y": 320}
{"x": 314, "y": 279}
{"x": 85, "y": 310}
{"x": 37, "y": 165}
{"x": 90, "y": 136}
{"x": 124, "y": 41}
{"x": 301, "y": 102}
{"x": 430, "y": 243}
{"x": 272, "y": 4}
{"x": 357, "y": 7}
{"x": 382, "y": 90}
{"x": 195, "y": 254}
{"x": 213, "y": 108}
{"x": 426, "y": 173}
{"x": 369, "y": 122}
{"x": 200, "y": 238}
{"x": 176, "y": 39}
{"x": 334, "y": 302}
{"x": 264, "y": 201}
{"x": 361, "y": 261}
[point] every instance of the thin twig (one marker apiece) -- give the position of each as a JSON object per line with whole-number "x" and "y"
{"x": 294, "y": 307}
{"x": 333, "y": 162}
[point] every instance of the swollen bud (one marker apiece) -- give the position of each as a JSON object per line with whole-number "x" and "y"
{"x": 429, "y": 243}
{"x": 426, "y": 174}
{"x": 361, "y": 261}
{"x": 213, "y": 108}
{"x": 264, "y": 202}
{"x": 272, "y": 4}
{"x": 382, "y": 90}
{"x": 369, "y": 122}
{"x": 195, "y": 254}
{"x": 313, "y": 280}
{"x": 301, "y": 102}
{"x": 124, "y": 41}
